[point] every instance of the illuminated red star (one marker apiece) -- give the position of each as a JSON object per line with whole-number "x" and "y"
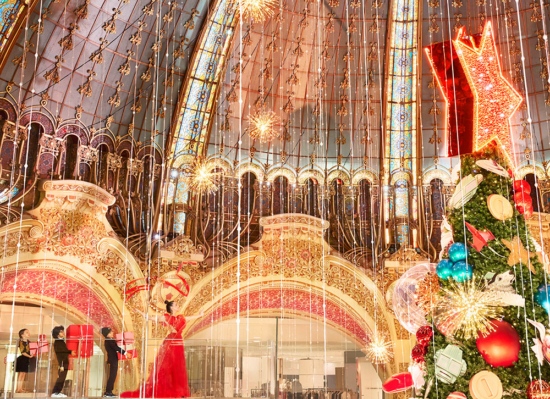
{"x": 495, "y": 99}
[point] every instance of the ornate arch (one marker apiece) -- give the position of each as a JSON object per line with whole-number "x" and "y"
{"x": 537, "y": 170}
{"x": 439, "y": 173}
{"x": 281, "y": 171}
{"x": 364, "y": 174}
{"x": 339, "y": 174}
{"x": 311, "y": 174}
{"x": 250, "y": 167}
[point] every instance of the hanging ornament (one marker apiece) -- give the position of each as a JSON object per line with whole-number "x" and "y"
{"x": 446, "y": 236}
{"x": 379, "y": 350}
{"x": 458, "y": 251}
{"x": 462, "y": 271}
{"x": 492, "y": 166}
{"x": 480, "y": 237}
{"x": 466, "y": 309}
{"x": 398, "y": 383}
{"x": 522, "y": 186}
{"x": 456, "y": 395}
{"x": 449, "y": 364}
{"x": 465, "y": 190}
{"x": 542, "y": 297}
{"x": 444, "y": 269}
{"x": 538, "y": 389}
{"x": 518, "y": 253}
{"x": 542, "y": 344}
{"x": 418, "y": 353}
{"x": 427, "y": 292}
{"x": 424, "y": 334}
{"x": 501, "y": 346}
{"x": 500, "y": 207}
{"x": 486, "y": 385}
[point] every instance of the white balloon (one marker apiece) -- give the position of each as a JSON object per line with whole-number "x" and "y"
{"x": 409, "y": 315}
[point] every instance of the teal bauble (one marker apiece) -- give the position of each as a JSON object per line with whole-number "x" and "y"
{"x": 542, "y": 297}
{"x": 444, "y": 269}
{"x": 462, "y": 271}
{"x": 457, "y": 252}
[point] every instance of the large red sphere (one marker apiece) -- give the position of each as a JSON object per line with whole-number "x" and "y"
{"x": 500, "y": 348}
{"x": 522, "y": 185}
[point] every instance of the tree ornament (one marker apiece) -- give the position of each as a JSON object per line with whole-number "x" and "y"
{"x": 480, "y": 237}
{"x": 427, "y": 292}
{"x": 486, "y": 385}
{"x": 424, "y": 334}
{"x": 542, "y": 297}
{"x": 518, "y": 253}
{"x": 522, "y": 186}
{"x": 444, "y": 269}
{"x": 542, "y": 345}
{"x": 418, "y": 352}
{"x": 522, "y": 197}
{"x": 465, "y": 190}
{"x": 458, "y": 251}
{"x": 492, "y": 166}
{"x": 398, "y": 383}
{"x": 538, "y": 389}
{"x": 449, "y": 364}
{"x": 462, "y": 271}
{"x": 456, "y": 395}
{"x": 501, "y": 346}
{"x": 500, "y": 207}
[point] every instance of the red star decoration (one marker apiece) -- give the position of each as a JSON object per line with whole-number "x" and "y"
{"x": 495, "y": 99}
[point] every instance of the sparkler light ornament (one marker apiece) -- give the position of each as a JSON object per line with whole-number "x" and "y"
{"x": 495, "y": 99}
{"x": 200, "y": 177}
{"x": 379, "y": 350}
{"x": 262, "y": 126}
{"x": 257, "y": 10}
{"x": 466, "y": 309}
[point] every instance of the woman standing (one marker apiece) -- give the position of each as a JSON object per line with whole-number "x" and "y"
{"x": 25, "y": 363}
{"x": 169, "y": 378}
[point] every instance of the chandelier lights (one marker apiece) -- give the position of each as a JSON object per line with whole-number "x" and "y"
{"x": 262, "y": 126}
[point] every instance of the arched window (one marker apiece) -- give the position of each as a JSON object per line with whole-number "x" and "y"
{"x": 312, "y": 196}
{"x": 3, "y": 124}
{"x": 437, "y": 210}
{"x": 365, "y": 211}
{"x": 72, "y": 143}
{"x": 101, "y": 166}
{"x": 31, "y": 149}
{"x": 247, "y": 193}
{"x": 280, "y": 195}
{"x": 535, "y": 193}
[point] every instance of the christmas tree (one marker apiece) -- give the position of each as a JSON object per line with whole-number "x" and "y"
{"x": 489, "y": 293}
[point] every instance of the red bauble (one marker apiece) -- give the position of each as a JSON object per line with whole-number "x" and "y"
{"x": 500, "y": 348}
{"x": 522, "y": 185}
{"x": 528, "y": 212}
{"x": 522, "y": 197}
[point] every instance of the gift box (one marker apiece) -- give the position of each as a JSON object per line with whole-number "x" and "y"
{"x": 126, "y": 341}
{"x": 37, "y": 348}
{"x": 80, "y": 338}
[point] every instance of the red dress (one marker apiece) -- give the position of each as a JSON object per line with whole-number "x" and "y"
{"x": 169, "y": 378}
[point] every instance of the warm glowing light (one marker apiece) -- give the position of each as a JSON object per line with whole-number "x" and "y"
{"x": 466, "y": 309}
{"x": 200, "y": 177}
{"x": 257, "y": 10}
{"x": 493, "y": 94}
{"x": 262, "y": 126}
{"x": 379, "y": 351}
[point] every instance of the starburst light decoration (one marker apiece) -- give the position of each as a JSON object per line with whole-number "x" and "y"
{"x": 257, "y": 10}
{"x": 262, "y": 126}
{"x": 465, "y": 310}
{"x": 379, "y": 350}
{"x": 495, "y": 99}
{"x": 200, "y": 177}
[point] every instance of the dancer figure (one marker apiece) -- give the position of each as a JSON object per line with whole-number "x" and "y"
{"x": 62, "y": 353}
{"x": 169, "y": 378}
{"x": 25, "y": 363}
{"x": 112, "y": 360}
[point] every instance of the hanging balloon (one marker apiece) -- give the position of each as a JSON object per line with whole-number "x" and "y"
{"x": 408, "y": 313}
{"x": 444, "y": 269}
{"x": 523, "y": 197}
{"x": 462, "y": 271}
{"x": 542, "y": 297}
{"x": 458, "y": 251}
{"x": 522, "y": 186}
{"x": 500, "y": 348}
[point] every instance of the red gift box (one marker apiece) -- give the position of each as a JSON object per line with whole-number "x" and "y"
{"x": 80, "y": 338}
{"x": 126, "y": 342}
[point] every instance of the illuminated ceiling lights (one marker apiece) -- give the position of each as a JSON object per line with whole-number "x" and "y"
{"x": 262, "y": 126}
{"x": 257, "y": 10}
{"x": 379, "y": 351}
{"x": 495, "y": 99}
{"x": 200, "y": 177}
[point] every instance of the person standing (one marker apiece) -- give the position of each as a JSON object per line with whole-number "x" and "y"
{"x": 26, "y": 362}
{"x": 62, "y": 353}
{"x": 112, "y": 360}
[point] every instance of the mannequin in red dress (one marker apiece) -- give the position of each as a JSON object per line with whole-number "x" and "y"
{"x": 169, "y": 376}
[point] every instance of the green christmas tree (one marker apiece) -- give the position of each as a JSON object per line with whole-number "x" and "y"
{"x": 440, "y": 351}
